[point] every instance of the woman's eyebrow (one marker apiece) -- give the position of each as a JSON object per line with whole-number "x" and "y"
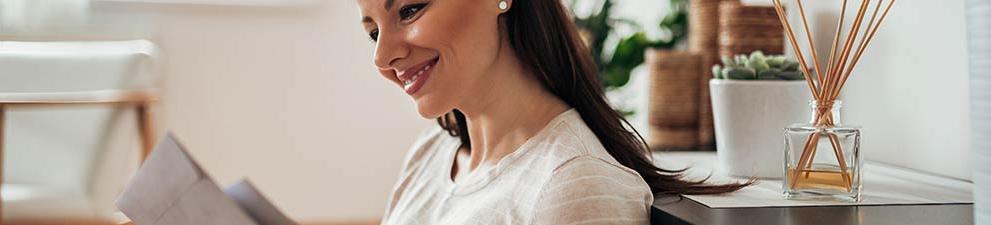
{"x": 387, "y": 6}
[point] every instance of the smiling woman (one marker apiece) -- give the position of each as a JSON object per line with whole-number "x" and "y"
{"x": 525, "y": 135}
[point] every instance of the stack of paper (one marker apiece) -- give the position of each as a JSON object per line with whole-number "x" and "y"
{"x": 171, "y": 189}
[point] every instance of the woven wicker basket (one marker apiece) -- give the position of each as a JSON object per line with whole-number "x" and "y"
{"x": 704, "y": 39}
{"x": 744, "y": 29}
{"x": 673, "y": 106}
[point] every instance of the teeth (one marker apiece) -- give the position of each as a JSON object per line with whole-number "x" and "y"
{"x": 408, "y": 82}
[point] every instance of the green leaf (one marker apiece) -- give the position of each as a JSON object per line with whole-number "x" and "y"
{"x": 791, "y": 75}
{"x": 740, "y": 73}
{"x": 717, "y": 72}
{"x": 628, "y": 55}
{"x": 616, "y": 77}
{"x": 776, "y": 62}
{"x": 728, "y": 61}
{"x": 757, "y": 55}
{"x": 769, "y": 74}
{"x": 741, "y": 59}
{"x": 791, "y": 66}
{"x": 757, "y": 64}
{"x": 630, "y": 51}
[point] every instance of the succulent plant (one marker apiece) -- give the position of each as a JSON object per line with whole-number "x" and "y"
{"x": 757, "y": 66}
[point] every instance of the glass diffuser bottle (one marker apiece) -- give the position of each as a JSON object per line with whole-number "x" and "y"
{"x": 822, "y": 157}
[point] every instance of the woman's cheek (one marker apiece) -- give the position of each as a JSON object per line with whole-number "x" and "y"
{"x": 446, "y": 22}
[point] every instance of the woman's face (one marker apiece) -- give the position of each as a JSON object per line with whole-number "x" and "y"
{"x": 437, "y": 51}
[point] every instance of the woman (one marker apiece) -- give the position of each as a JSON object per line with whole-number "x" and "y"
{"x": 525, "y": 135}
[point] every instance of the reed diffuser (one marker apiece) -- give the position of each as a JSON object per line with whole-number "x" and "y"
{"x": 822, "y": 157}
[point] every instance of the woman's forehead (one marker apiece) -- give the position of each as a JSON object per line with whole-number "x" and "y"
{"x": 369, "y": 7}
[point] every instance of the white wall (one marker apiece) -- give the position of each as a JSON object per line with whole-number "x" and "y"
{"x": 910, "y": 89}
{"x": 286, "y": 96}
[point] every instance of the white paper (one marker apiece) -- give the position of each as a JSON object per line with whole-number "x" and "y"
{"x": 256, "y": 205}
{"x": 171, "y": 189}
{"x": 883, "y": 185}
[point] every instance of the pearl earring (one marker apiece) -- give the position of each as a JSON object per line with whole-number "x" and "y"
{"x": 503, "y": 5}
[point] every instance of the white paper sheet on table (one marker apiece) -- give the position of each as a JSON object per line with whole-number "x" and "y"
{"x": 171, "y": 189}
{"x": 883, "y": 185}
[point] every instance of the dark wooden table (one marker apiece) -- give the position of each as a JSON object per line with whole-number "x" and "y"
{"x": 678, "y": 210}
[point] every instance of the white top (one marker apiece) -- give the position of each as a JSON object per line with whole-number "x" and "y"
{"x": 561, "y": 176}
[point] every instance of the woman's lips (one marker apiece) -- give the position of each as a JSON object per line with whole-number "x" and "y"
{"x": 414, "y": 79}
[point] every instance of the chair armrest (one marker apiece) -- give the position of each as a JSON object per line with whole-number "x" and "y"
{"x": 78, "y": 97}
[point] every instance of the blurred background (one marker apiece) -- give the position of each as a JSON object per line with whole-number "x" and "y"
{"x": 284, "y": 93}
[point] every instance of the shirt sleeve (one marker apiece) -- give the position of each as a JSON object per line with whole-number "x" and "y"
{"x": 588, "y": 191}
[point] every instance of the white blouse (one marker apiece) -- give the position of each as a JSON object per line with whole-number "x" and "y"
{"x": 562, "y": 175}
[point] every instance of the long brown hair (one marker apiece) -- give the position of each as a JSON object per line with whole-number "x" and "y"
{"x": 547, "y": 42}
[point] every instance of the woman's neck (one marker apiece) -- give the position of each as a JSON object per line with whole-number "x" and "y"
{"x": 511, "y": 108}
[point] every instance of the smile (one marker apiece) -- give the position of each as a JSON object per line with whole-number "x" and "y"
{"x": 414, "y": 78}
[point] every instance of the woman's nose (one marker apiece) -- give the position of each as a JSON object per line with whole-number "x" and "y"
{"x": 389, "y": 49}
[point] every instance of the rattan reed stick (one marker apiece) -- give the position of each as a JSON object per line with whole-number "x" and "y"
{"x": 826, "y": 91}
{"x": 851, "y": 37}
{"x": 810, "y": 156}
{"x": 836, "y": 39}
{"x": 856, "y": 57}
{"x": 831, "y": 81}
{"x": 808, "y": 34}
{"x": 860, "y": 46}
{"x": 844, "y": 49}
{"x": 794, "y": 45}
{"x": 838, "y": 150}
{"x": 812, "y": 87}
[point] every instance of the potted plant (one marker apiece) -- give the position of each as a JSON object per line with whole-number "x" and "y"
{"x": 617, "y": 60}
{"x": 753, "y": 97}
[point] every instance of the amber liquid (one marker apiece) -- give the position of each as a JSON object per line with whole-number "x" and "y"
{"x": 820, "y": 179}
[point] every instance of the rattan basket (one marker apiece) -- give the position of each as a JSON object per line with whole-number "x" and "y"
{"x": 673, "y": 106}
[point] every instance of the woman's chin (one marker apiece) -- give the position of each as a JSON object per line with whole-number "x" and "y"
{"x": 429, "y": 111}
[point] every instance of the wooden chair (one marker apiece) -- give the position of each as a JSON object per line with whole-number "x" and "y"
{"x": 56, "y": 93}
{"x": 141, "y": 101}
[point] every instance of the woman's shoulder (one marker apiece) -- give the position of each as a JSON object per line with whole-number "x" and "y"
{"x": 586, "y": 184}
{"x": 570, "y": 142}
{"x": 589, "y": 190}
{"x": 571, "y": 154}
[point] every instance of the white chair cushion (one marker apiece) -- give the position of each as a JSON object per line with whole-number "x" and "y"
{"x": 76, "y": 66}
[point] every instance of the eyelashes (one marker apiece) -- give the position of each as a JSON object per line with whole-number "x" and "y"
{"x": 374, "y": 35}
{"x": 409, "y": 11}
{"x": 406, "y": 13}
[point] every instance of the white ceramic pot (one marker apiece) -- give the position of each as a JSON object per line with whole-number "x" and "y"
{"x": 750, "y": 117}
